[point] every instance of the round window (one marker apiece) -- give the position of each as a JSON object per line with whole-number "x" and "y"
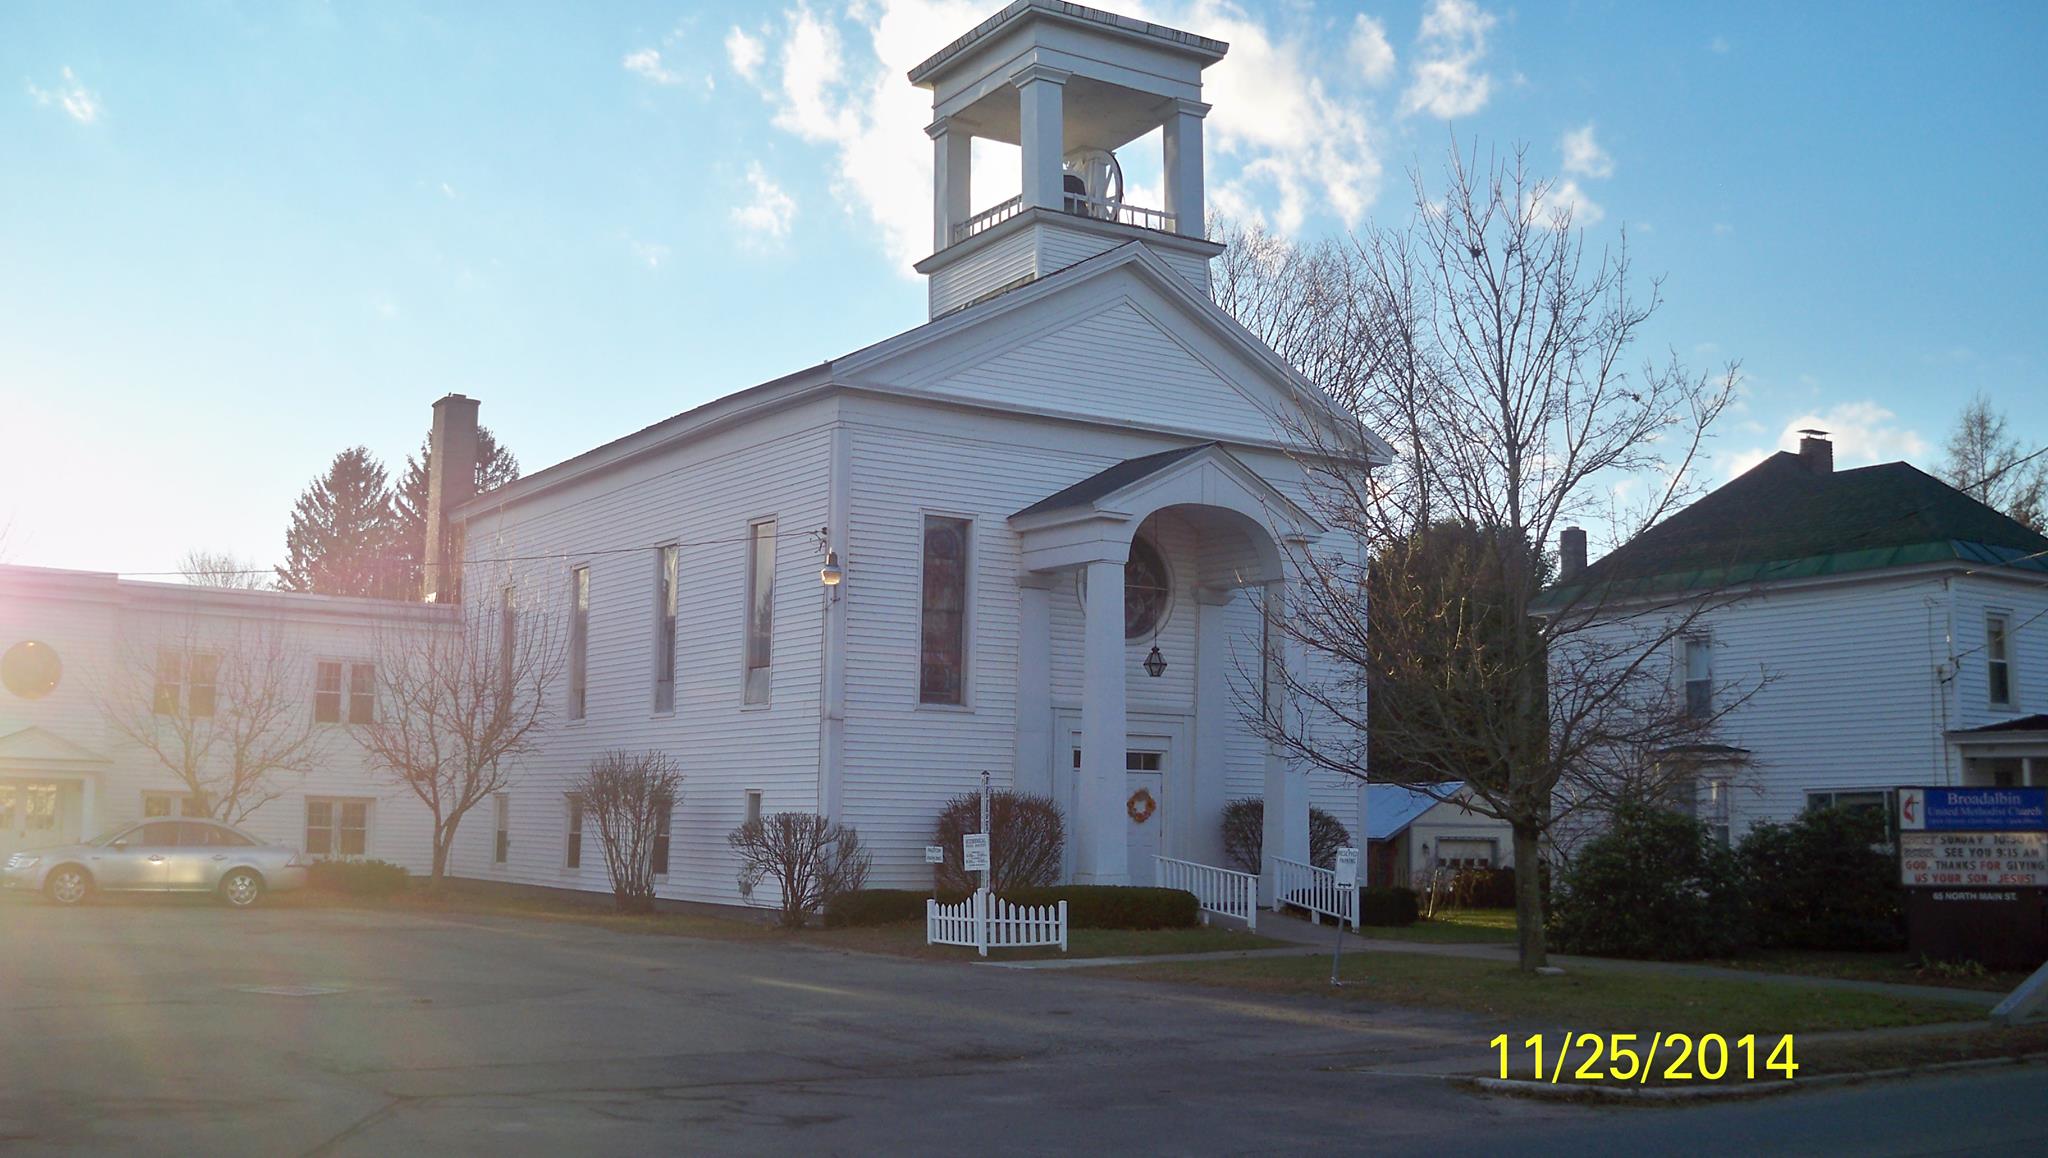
{"x": 30, "y": 669}
{"x": 1147, "y": 590}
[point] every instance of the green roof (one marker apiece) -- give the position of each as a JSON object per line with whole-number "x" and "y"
{"x": 1782, "y": 520}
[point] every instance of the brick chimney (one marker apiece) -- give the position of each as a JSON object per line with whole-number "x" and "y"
{"x": 451, "y": 482}
{"x": 1571, "y": 552}
{"x": 1816, "y": 451}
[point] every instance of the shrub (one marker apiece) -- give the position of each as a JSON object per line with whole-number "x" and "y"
{"x": 1244, "y": 835}
{"x": 1654, "y": 885}
{"x": 359, "y": 878}
{"x": 1116, "y": 906}
{"x": 1378, "y": 905}
{"x": 1816, "y": 883}
{"x": 631, "y": 797}
{"x": 1026, "y": 839}
{"x": 812, "y": 859}
{"x": 875, "y": 907}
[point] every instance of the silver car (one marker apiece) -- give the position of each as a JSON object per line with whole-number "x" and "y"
{"x": 160, "y": 856}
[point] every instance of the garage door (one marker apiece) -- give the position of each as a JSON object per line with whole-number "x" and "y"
{"x": 1465, "y": 853}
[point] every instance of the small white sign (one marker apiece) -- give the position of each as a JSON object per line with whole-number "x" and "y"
{"x": 974, "y": 852}
{"x": 935, "y": 854}
{"x": 1347, "y": 867}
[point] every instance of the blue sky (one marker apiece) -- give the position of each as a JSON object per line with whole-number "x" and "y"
{"x": 235, "y": 238}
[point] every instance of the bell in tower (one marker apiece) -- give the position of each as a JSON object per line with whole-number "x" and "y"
{"x": 1069, "y": 86}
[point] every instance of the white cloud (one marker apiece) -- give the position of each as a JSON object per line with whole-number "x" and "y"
{"x": 768, "y": 210}
{"x": 1370, "y": 52}
{"x": 744, "y": 53}
{"x": 646, "y": 63}
{"x": 1718, "y": 45}
{"x": 1863, "y": 433}
{"x": 448, "y": 191}
{"x": 80, "y": 103}
{"x": 1583, "y": 155}
{"x": 1446, "y": 80}
{"x": 1566, "y": 204}
{"x": 648, "y": 253}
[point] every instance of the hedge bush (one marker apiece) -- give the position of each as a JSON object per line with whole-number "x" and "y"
{"x": 359, "y": 878}
{"x": 879, "y": 907}
{"x": 1244, "y": 835}
{"x": 1655, "y": 885}
{"x": 1817, "y": 883}
{"x": 1116, "y": 906}
{"x": 1380, "y": 905}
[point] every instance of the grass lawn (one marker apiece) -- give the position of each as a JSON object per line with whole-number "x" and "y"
{"x": 1903, "y": 968}
{"x": 1582, "y": 999}
{"x": 903, "y": 939}
{"x": 1456, "y": 926}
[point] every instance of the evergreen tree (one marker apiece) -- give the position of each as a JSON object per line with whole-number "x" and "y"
{"x": 341, "y": 533}
{"x": 495, "y": 466}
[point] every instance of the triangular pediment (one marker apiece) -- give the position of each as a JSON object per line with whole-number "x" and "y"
{"x": 34, "y": 745}
{"x": 1120, "y": 338}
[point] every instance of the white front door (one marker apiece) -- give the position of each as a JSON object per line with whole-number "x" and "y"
{"x": 36, "y": 813}
{"x": 1145, "y": 808}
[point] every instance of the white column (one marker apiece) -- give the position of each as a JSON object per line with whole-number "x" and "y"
{"x": 1214, "y": 715}
{"x": 1041, "y": 131}
{"x": 1182, "y": 165}
{"x": 1034, "y": 768}
{"x": 1101, "y": 831}
{"x": 952, "y": 178}
{"x": 832, "y": 641}
{"x": 1286, "y": 832}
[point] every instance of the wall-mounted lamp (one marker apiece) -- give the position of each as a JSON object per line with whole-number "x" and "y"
{"x": 1155, "y": 664}
{"x": 831, "y": 574}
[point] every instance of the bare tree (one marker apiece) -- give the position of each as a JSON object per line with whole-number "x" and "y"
{"x": 1990, "y": 464}
{"x": 1496, "y": 355}
{"x": 632, "y": 797}
{"x": 457, "y": 704}
{"x": 225, "y": 712}
{"x": 203, "y": 568}
{"x": 809, "y": 856}
{"x": 1027, "y": 837}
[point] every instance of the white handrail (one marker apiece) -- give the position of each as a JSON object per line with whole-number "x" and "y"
{"x": 1315, "y": 889}
{"x": 1223, "y": 891}
{"x": 988, "y": 218}
{"x": 1103, "y": 209}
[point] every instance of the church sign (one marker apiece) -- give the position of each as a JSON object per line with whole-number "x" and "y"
{"x": 1975, "y": 865}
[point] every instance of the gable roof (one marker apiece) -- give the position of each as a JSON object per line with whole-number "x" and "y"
{"x": 1390, "y": 808}
{"x": 1781, "y": 520}
{"x": 1111, "y": 480}
{"x": 35, "y": 745}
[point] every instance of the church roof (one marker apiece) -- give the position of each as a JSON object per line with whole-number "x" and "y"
{"x": 1390, "y": 808}
{"x": 1783, "y": 520}
{"x": 1111, "y": 480}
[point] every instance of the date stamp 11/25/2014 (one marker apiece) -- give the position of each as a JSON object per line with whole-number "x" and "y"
{"x": 1643, "y": 1058}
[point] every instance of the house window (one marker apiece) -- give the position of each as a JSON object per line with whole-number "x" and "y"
{"x": 333, "y": 700}
{"x": 753, "y": 806}
{"x": 658, "y": 854}
{"x": 186, "y": 682}
{"x": 1878, "y": 800}
{"x": 337, "y": 827}
{"x": 667, "y": 569}
{"x": 1997, "y": 659}
{"x": 760, "y": 610}
{"x": 1147, "y": 590}
{"x": 572, "y": 854}
{"x": 1699, "y": 677}
{"x": 1452, "y": 853}
{"x": 501, "y": 828}
{"x": 942, "y": 644}
{"x": 155, "y": 804}
{"x": 579, "y": 641}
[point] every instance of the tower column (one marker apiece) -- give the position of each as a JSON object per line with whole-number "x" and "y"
{"x": 952, "y": 174}
{"x": 1041, "y": 131}
{"x": 1182, "y": 163}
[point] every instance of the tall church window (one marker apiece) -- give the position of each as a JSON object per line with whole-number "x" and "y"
{"x": 942, "y": 643}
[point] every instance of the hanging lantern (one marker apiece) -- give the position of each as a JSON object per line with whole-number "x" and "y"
{"x": 1155, "y": 664}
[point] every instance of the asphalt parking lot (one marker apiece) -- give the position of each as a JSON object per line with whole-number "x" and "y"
{"x": 168, "y": 1027}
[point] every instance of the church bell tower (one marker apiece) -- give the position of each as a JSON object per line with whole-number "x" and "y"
{"x": 1069, "y": 86}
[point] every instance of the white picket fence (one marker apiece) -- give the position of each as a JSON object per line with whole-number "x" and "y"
{"x": 988, "y": 922}
{"x": 1315, "y": 889}
{"x": 1217, "y": 890}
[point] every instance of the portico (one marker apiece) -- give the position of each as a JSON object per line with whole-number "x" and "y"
{"x": 1233, "y": 533}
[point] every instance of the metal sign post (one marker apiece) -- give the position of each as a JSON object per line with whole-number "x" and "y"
{"x": 1347, "y": 878}
{"x": 984, "y": 830}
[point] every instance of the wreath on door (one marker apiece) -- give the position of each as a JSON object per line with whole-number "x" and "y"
{"x": 1141, "y": 806}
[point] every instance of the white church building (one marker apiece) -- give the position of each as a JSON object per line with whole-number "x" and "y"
{"x": 1077, "y": 465}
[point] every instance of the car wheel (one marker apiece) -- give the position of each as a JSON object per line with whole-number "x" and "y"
{"x": 68, "y": 885}
{"x": 241, "y": 888}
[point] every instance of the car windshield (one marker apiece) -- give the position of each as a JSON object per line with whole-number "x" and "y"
{"x": 108, "y": 836}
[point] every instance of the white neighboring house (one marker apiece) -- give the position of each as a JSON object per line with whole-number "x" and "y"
{"x": 1891, "y": 630}
{"x": 79, "y": 649}
{"x": 1055, "y": 517}
{"x": 1409, "y": 834}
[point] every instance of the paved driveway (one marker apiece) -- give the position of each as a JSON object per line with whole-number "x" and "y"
{"x": 179, "y": 1028}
